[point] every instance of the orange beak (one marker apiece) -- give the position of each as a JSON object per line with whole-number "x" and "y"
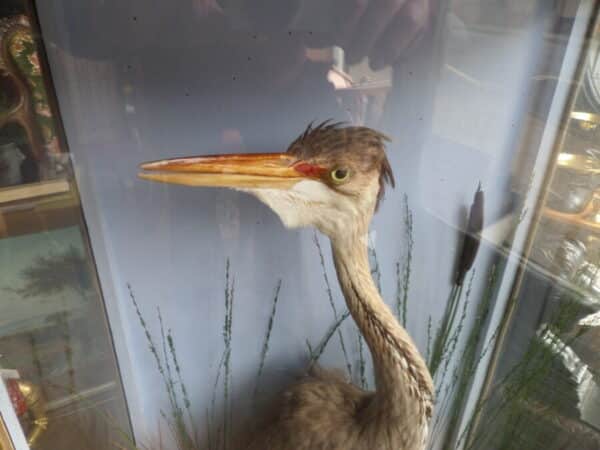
{"x": 259, "y": 170}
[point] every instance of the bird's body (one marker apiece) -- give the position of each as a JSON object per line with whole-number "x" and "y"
{"x": 324, "y": 411}
{"x": 332, "y": 178}
{"x": 320, "y": 402}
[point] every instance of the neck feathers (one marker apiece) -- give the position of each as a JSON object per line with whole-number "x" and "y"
{"x": 404, "y": 385}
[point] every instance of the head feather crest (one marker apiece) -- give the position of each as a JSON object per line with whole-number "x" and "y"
{"x": 329, "y": 137}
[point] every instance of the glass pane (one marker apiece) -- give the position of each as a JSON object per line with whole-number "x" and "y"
{"x": 56, "y": 354}
{"x": 483, "y": 252}
{"x": 543, "y": 390}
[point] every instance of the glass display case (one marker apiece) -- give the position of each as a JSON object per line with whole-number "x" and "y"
{"x": 56, "y": 356}
{"x": 207, "y": 204}
{"x": 542, "y": 387}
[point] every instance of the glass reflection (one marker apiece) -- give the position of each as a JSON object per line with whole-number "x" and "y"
{"x": 56, "y": 355}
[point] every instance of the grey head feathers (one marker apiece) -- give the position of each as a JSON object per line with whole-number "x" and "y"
{"x": 336, "y": 144}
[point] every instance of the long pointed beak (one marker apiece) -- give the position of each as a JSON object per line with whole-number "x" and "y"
{"x": 259, "y": 170}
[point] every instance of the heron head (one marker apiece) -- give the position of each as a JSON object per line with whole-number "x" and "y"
{"x": 331, "y": 177}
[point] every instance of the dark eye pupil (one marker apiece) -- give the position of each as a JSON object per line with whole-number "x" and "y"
{"x": 340, "y": 174}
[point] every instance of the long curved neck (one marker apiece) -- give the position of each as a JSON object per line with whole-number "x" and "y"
{"x": 404, "y": 388}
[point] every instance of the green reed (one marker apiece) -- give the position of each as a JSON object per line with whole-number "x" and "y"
{"x": 451, "y": 345}
{"x": 227, "y": 351}
{"x": 182, "y": 430}
{"x": 362, "y": 363}
{"x": 332, "y": 304}
{"x": 316, "y": 353}
{"x": 469, "y": 362}
{"x": 506, "y": 410}
{"x": 429, "y": 326}
{"x": 403, "y": 277}
{"x": 265, "y": 346}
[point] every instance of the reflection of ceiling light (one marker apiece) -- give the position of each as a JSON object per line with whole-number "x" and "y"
{"x": 588, "y": 164}
{"x": 578, "y": 115}
{"x": 339, "y": 79}
{"x": 593, "y": 320}
{"x": 564, "y": 157}
{"x": 597, "y": 218}
{"x": 587, "y": 117}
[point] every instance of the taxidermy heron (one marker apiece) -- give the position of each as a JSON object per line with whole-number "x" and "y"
{"x": 331, "y": 177}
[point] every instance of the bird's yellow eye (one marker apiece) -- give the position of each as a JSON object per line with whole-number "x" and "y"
{"x": 340, "y": 175}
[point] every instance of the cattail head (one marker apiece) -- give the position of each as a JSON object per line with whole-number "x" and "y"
{"x": 472, "y": 237}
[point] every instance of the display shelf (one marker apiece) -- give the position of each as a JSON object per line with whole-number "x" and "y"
{"x": 33, "y": 190}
